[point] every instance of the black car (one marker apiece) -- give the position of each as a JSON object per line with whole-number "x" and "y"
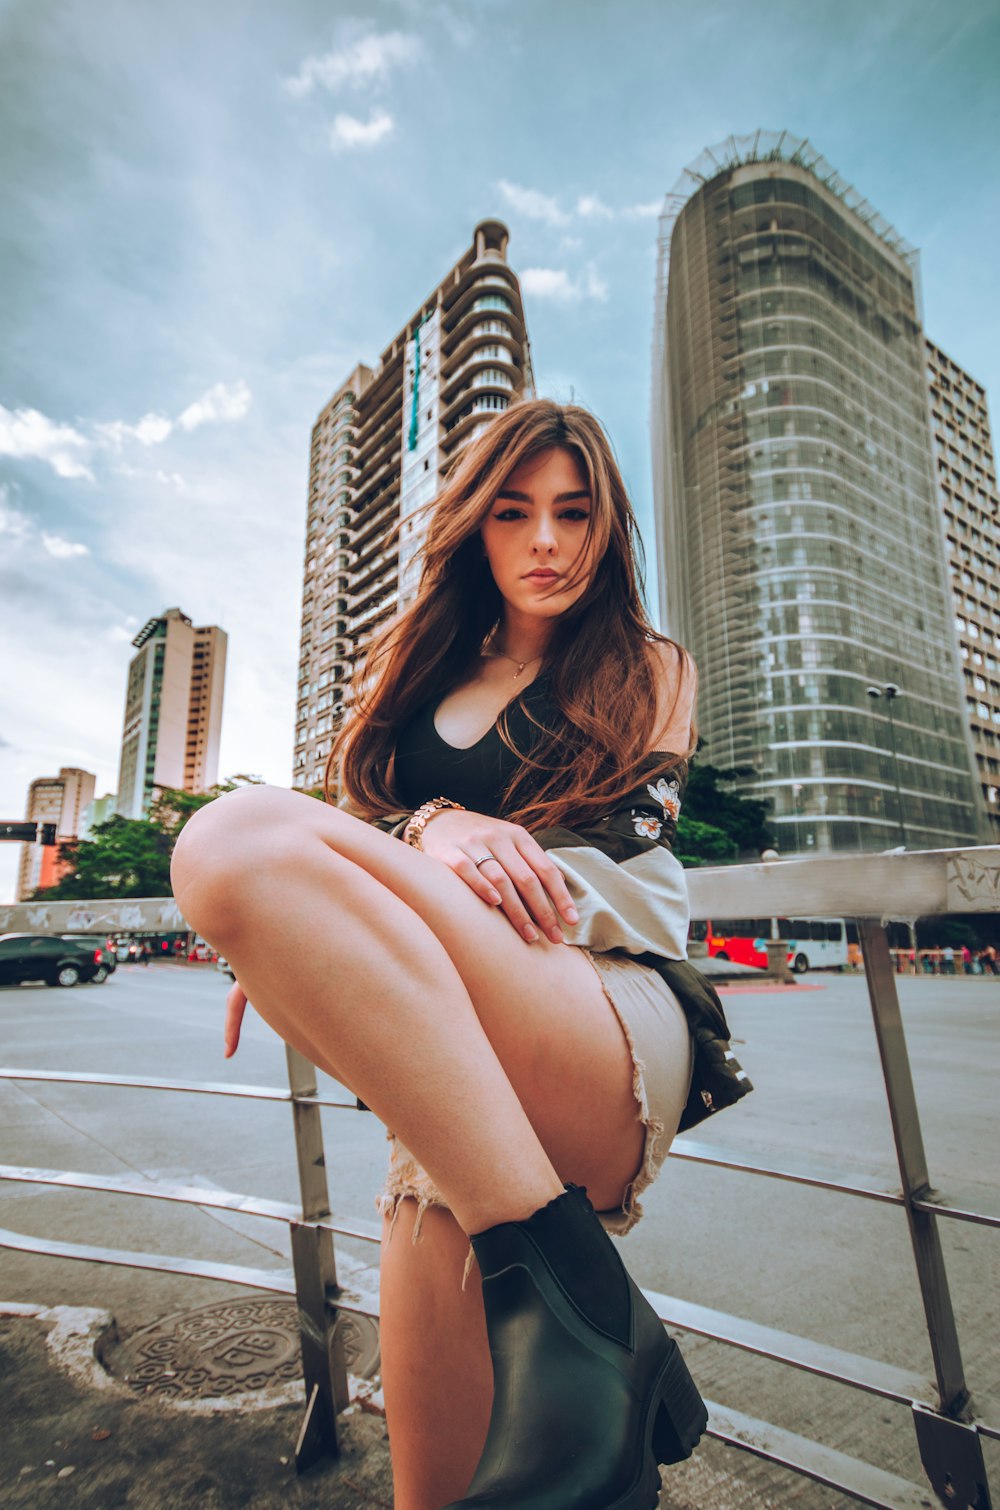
{"x": 109, "y": 964}
{"x": 47, "y": 957}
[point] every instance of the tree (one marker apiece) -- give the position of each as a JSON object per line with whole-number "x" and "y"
{"x": 717, "y": 825}
{"x": 127, "y": 857}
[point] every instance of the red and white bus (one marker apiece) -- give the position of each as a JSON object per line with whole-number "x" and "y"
{"x": 813, "y": 943}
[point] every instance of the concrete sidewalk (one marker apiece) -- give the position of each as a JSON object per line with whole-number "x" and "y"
{"x": 74, "y": 1438}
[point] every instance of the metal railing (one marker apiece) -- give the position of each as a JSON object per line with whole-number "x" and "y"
{"x": 948, "y": 1423}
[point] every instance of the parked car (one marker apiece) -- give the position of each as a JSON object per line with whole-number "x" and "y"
{"x": 48, "y": 957}
{"x": 201, "y": 951}
{"x": 109, "y": 963}
{"x": 225, "y": 967}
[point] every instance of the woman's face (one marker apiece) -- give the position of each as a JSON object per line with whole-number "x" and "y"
{"x": 538, "y": 523}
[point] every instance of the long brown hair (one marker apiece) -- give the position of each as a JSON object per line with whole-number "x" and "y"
{"x": 602, "y": 688}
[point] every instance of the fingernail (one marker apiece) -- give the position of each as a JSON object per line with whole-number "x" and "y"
{"x": 572, "y": 914}
{"x": 557, "y": 936}
{"x": 530, "y": 933}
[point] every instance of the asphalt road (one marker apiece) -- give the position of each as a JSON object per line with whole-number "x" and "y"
{"x": 826, "y": 1266}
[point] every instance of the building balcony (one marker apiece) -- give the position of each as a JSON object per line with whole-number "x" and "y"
{"x": 378, "y": 610}
{"x": 376, "y": 523}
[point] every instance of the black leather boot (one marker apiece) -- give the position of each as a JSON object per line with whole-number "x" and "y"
{"x": 590, "y": 1393}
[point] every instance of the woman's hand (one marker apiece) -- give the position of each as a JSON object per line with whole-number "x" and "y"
{"x": 520, "y": 878}
{"x": 236, "y": 1005}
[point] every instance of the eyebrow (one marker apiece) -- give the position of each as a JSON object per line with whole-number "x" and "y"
{"x": 527, "y": 498}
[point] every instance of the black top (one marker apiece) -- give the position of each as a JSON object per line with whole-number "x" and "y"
{"x": 427, "y": 766}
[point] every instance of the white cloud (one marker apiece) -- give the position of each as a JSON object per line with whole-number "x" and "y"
{"x": 592, "y": 207}
{"x": 556, "y": 284}
{"x": 218, "y": 403}
{"x": 27, "y": 434}
{"x": 532, "y": 203}
{"x": 366, "y": 60}
{"x": 538, "y": 206}
{"x": 63, "y": 549}
{"x": 348, "y": 132}
{"x": 151, "y": 430}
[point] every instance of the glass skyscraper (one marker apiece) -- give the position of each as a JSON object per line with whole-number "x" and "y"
{"x": 800, "y": 550}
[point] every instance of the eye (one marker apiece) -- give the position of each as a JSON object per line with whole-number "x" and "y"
{"x": 504, "y": 512}
{"x": 580, "y": 514}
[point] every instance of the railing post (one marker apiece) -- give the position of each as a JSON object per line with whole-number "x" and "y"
{"x": 314, "y": 1263}
{"x": 951, "y": 1459}
{"x": 912, "y": 1160}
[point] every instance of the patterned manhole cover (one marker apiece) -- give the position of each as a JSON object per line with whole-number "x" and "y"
{"x": 230, "y": 1349}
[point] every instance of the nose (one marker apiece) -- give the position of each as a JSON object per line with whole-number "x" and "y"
{"x": 544, "y": 540}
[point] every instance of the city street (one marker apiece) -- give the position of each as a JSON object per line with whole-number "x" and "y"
{"x": 829, "y": 1267}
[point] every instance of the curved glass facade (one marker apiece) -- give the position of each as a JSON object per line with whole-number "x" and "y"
{"x": 798, "y": 534}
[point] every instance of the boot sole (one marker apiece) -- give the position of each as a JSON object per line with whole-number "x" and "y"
{"x": 674, "y": 1425}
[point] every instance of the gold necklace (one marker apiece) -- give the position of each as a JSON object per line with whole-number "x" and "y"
{"x": 514, "y": 661}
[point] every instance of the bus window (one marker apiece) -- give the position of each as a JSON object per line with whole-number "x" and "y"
{"x": 835, "y": 932}
{"x": 817, "y": 930}
{"x": 800, "y": 928}
{"x": 785, "y": 930}
{"x": 698, "y": 931}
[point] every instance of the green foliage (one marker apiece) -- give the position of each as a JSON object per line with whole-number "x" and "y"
{"x": 127, "y": 857}
{"x": 718, "y": 825}
{"x": 702, "y": 843}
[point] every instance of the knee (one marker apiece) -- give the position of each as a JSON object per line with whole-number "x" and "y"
{"x": 224, "y": 852}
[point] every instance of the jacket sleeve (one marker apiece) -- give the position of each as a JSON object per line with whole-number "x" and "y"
{"x": 626, "y": 883}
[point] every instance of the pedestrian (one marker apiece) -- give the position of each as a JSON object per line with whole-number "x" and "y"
{"x": 512, "y": 770}
{"x": 947, "y": 960}
{"x": 145, "y": 951}
{"x": 990, "y": 959}
{"x": 966, "y": 960}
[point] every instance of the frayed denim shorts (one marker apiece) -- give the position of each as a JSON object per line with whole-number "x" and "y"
{"x": 659, "y": 1041}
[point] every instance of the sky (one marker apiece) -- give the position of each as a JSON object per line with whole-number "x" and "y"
{"x": 210, "y": 212}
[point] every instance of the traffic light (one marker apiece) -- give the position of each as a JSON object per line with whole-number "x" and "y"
{"x": 49, "y": 833}
{"x": 25, "y": 832}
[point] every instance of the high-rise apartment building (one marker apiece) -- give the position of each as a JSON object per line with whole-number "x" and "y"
{"x": 60, "y": 800}
{"x": 797, "y": 521}
{"x": 173, "y": 711}
{"x": 970, "y": 508}
{"x": 382, "y": 447}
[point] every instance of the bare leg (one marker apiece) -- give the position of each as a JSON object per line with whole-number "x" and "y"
{"x": 437, "y": 1373}
{"x": 329, "y": 956}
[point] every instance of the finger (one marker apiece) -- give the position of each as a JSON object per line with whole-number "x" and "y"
{"x": 463, "y": 865}
{"x": 549, "y": 874}
{"x": 532, "y": 904}
{"x": 236, "y": 1005}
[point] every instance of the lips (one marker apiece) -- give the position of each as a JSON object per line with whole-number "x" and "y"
{"x": 542, "y": 576}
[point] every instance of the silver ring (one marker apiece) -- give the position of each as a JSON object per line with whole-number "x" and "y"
{"x": 485, "y": 858}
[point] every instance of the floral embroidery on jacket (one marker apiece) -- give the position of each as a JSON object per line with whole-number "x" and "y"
{"x": 668, "y": 795}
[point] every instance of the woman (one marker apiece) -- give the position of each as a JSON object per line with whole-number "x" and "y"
{"x": 507, "y": 988}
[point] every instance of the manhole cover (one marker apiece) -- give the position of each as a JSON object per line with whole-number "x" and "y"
{"x": 230, "y": 1349}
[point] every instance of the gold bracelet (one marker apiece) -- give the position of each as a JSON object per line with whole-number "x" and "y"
{"x": 413, "y": 832}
